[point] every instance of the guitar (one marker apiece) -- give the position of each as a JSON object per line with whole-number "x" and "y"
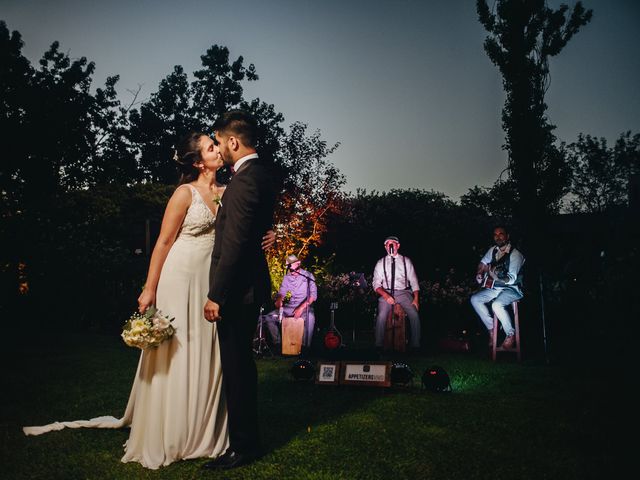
{"x": 487, "y": 281}
{"x": 333, "y": 338}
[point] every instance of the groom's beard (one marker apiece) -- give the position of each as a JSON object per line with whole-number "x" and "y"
{"x": 226, "y": 158}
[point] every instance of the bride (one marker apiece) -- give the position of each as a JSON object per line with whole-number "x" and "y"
{"x": 176, "y": 409}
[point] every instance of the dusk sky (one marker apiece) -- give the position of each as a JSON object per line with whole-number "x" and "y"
{"x": 404, "y": 85}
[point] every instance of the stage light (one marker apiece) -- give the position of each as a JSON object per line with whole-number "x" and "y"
{"x": 401, "y": 375}
{"x": 303, "y": 370}
{"x": 435, "y": 379}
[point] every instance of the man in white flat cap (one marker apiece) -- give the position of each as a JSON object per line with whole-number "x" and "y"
{"x": 405, "y": 290}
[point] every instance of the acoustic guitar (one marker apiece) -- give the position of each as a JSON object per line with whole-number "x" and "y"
{"x": 487, "y": 280}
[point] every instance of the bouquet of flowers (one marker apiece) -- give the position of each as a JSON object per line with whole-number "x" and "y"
{"x": 148, "y": 329}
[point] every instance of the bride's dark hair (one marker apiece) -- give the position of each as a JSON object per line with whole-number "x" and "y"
{"x": 187, "y": 155}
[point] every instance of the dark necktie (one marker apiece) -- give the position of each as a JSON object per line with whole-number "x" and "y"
{"x": 393, "y": 274}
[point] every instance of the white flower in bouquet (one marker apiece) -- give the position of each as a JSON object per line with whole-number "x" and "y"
{"x": 160, "y": 323}
{"x": 148, "y": 329}
{"x": 138, "y": 326}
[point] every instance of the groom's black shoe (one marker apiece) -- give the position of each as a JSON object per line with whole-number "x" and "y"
{"x": 230, "y": 459}
{"x": 214, "y": 464}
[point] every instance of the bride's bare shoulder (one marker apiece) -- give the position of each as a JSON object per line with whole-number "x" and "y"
{"x": 181, "y": 197}
{"x": 184, "y": 190}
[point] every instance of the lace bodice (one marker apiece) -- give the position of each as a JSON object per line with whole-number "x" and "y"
{"x": 199, "y": 221}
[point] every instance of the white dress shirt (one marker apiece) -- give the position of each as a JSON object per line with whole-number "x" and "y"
{"x": 238, "y": 164}
{"x": 403, "y": 279}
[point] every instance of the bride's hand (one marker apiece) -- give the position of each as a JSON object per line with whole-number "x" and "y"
{"x": 268, "y": 240}
{"x": 145, "y": 300}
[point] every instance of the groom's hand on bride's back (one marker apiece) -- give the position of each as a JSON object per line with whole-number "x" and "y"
{"x": 268, "y": 240}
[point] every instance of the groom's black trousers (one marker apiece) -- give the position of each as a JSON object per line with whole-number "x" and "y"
{"x": 236, "y": 330}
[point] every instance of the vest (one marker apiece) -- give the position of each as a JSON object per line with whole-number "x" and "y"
{"x": 502, "y": 267}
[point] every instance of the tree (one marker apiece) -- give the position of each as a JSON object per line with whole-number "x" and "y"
{"x": 113, "y": 160}
{"x": 158, "y": 124}
{"x": 425, "y": 221}
{"x": 180, "y": 106}
{"x": 217, "y": 87}
{"x": 523, "y": 34}
{"x": 310, "y": 192}
{"x": 494, "y": 201}
{"x": 270, "y": 130}
{"x": 15, "y": 80}
{"x": 50, "y": 115}
{"x": 601, "y": 174}
{"x": 58, "y": 133}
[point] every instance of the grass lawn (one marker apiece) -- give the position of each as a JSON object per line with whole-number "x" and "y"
{"x": 503, "y": 420}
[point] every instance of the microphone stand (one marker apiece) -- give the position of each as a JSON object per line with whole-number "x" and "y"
{"x": 260, "y": 346}
{"x": 358, "y": 281}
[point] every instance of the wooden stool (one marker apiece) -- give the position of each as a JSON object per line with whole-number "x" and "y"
{"x": 395, "y": 336}
{"x": 494, "y": 336}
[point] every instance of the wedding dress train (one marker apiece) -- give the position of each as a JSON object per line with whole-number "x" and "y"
{"x": 176, "y": 409}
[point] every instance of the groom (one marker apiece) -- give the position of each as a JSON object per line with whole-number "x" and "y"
{"x": 239, "y": 280}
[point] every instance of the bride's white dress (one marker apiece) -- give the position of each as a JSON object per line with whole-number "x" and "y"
{"x": 176, "y": 409}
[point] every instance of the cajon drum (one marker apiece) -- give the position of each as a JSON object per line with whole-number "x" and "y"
{"x": 395, "y": 338}
{"x": 292, "y": 333}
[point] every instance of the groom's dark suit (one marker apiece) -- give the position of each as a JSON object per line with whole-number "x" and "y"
{"x": 240, "y": 283}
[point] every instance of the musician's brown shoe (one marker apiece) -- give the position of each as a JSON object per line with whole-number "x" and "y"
{"x": 509, "y": 341}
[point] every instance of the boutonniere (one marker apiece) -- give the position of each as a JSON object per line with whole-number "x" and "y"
{"x": 217, "y": 199}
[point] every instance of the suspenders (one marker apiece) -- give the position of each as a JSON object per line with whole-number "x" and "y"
{"x": 406, "y": 276}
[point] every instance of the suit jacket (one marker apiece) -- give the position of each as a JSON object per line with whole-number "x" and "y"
{"x": 239, "y": 271}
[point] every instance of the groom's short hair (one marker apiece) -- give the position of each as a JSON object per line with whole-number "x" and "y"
{"x": 240, "y": 124}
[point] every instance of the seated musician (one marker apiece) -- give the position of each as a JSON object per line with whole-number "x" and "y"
{"x": 405, "y": 291}
{"x": 500, "y": 277}
{"x": 301, "y": 285}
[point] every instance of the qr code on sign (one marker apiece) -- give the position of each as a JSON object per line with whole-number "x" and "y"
{"x": 328, "y": 372}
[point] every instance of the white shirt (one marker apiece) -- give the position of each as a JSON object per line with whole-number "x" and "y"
{"x": 240, "y": 161}
{"x": 402, "y": 278}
